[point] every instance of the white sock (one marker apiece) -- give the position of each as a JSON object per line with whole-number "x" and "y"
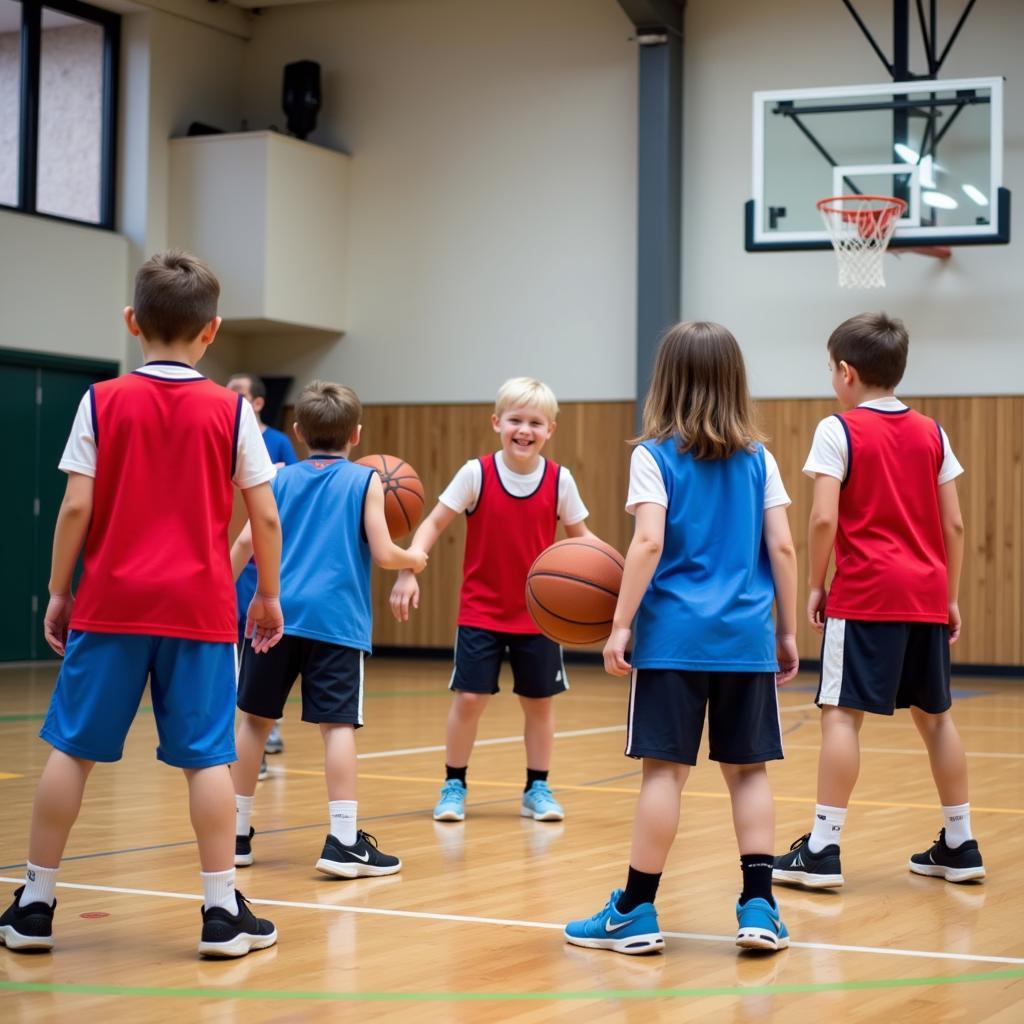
{"x": 243, "y": 814}
{"x": 40, "y": 885}
{"x": 219, "y": 889}
{"x": 343, "y": 820}
{"x": 828, "y": 827}
{"x": 958, "y": 825}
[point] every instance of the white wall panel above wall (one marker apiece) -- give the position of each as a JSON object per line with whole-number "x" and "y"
{"x": 493, "y": 182}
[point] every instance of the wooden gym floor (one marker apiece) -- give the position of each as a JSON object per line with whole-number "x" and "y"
{"x": 470, "y": 929}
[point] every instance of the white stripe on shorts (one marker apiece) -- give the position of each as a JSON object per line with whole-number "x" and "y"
{"x": 629, "y": 717}
{"x": 455, "y": 658}
{"x": 832, "y": 662}
{"x": 359, "y": 713}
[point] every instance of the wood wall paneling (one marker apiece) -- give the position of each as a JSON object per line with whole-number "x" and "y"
{"x": 987, "y": 435}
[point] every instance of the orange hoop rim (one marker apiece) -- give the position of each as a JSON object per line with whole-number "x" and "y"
{"x": 893, "y": 203}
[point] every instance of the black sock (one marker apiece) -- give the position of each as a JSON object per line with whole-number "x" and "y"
{"x": 757, "y": 876}
{"x": 641, "y": 887}
{"x": 455, "y": 773}
{"x": 532, "y": 776}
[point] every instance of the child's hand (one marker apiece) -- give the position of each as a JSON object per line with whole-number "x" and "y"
{"x": 55, "y": 622}
{"x": 420, "y": 556}
{"x": 406, "y": 591}
{"x": 787, "y": 656}
{"x": 615, "y": 663}
{"x": 816, "y": 608}
{"x": 264, "y": 624}
{"x": 954, "y": 623}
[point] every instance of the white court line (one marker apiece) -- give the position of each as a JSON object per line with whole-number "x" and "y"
{"x": 920, "y": 751}
{"x": 499, "y": 740}
{"x": 513, "y": 923}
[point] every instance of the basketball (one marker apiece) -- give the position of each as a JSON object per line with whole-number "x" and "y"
{"x": 571, "y": 590}
{"x": 403, "y": 492}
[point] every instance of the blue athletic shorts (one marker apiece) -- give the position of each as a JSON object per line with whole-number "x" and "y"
{"x": 100, "y": 686}
{"x": 537, "y": 667}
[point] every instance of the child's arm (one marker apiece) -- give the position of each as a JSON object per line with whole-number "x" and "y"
{"x": 821, "y": 537}
{"x": 953, "y": 532}
{"x": 782, "y": 555}
{"x": 385, "y": 552}
{"x": 406, "y": 590}
{"x": 68, "y": 538}
{"x": 264, "y": 621}
{"x": 641, "y": 560}
{"x": 579, "y": 529}
{"x": 241, "y": 551}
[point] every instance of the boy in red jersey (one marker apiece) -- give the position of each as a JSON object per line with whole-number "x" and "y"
{"x": 885, "y": 498}
{"x": 151, "y": 461}
{"x": 513, "y": 502}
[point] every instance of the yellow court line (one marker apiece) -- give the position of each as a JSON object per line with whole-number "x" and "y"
{"x": 635, "y": 792}
{"x": 9, "y": 775}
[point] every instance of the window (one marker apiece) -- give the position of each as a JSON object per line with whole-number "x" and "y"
{"x": 58, "y": 109}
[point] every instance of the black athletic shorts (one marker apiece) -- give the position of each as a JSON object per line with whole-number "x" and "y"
{"x": 881, "y": 666}
{"x": 666, "y": 716}
{"x": 332, "y": 680}
{"x": 537, "y": 667}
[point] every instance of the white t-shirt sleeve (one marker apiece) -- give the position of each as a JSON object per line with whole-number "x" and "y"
{"x": 950, "y": 468}
{"x": 464, "y": 490}
{"x": 829, "y": 453}
{"x": 571, "y": 509}
{"x": 252, "y": 463}
{"x": 774, "y": 489}
{"x": 80, "y": 451}
{"x": 645, "y": 481}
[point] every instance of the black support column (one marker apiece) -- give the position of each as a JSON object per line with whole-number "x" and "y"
{"x": 659, "y": 33}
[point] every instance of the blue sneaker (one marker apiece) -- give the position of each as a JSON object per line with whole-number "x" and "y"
{"x": 633, "y": 933}
{"x": 540, "y": 804}
{"x": 452, "y": 805}
{"x": 761, "y": 926}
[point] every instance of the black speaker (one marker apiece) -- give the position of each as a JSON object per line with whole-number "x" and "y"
{"x": 301, "y": 96}
{"x": 273, "y": 406}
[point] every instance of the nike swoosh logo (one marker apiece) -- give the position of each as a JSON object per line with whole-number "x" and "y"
{"x": 609, "y": 927}
{"x": 365, "y": 858}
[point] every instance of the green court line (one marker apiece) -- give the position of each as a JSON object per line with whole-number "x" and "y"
{"x": 480, "y": 997}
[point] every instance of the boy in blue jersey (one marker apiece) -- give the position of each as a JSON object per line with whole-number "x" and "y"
{"x": 711, "y": 553}
{"x": 332, "y": 521}
{"x": 282, "y": 454}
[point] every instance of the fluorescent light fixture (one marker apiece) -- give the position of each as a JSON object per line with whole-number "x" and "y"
{"x": 907, "y": 154}
{"x": 976, "y": 194}
{"x": 939, "y": 200}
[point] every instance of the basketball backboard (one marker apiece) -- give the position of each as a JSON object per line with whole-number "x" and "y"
{"x": 938, "y": 145}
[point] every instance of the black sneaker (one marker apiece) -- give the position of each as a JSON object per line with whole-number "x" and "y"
{"x": 962, "y": 864}
{"x": 360, "y": 860}
{"x": 26, "y": 928}
{"x": 814, "y": 870}
{"x": 243, "y": 849}
{"x": 234, "y": 935}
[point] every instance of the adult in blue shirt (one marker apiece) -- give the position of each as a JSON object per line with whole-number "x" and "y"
{"x": 281, "y": 452}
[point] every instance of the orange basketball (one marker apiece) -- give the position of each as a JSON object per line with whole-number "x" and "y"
{"x": 403, "y": 492}
{"x": 571, "y": 590}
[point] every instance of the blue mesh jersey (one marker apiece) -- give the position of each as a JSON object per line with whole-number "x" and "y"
{"x": 709, "y": 605}
{"x": 325, "y": 556}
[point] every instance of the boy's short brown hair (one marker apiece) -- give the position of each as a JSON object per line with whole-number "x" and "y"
{"x": 327, "y": 414}
{"x": 176, "y": 296}
{"x": 875, "y": 345}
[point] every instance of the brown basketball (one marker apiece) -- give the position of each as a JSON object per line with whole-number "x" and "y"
{"x": 571, "y": 590}
{"x": 403, "y": 492}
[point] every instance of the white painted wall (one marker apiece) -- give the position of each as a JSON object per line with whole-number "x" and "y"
{"x": 492, "y": 191}
{"x": 964, "y": 315}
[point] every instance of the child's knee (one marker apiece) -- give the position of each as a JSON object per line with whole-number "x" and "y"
{"x": 470, "y": 704}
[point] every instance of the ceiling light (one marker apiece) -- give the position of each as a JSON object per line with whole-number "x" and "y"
{"x": 976, "y": 194}
{"x": 939, "y": 200}
{"x": 908, "y": 155}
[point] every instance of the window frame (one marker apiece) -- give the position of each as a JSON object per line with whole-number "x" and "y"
{"x": 28, "y": 129}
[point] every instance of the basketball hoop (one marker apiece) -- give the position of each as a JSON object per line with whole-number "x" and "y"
{"x": 860, "y": 228}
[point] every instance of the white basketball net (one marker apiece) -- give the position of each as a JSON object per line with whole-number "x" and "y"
{"x": 860, "y": 228}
